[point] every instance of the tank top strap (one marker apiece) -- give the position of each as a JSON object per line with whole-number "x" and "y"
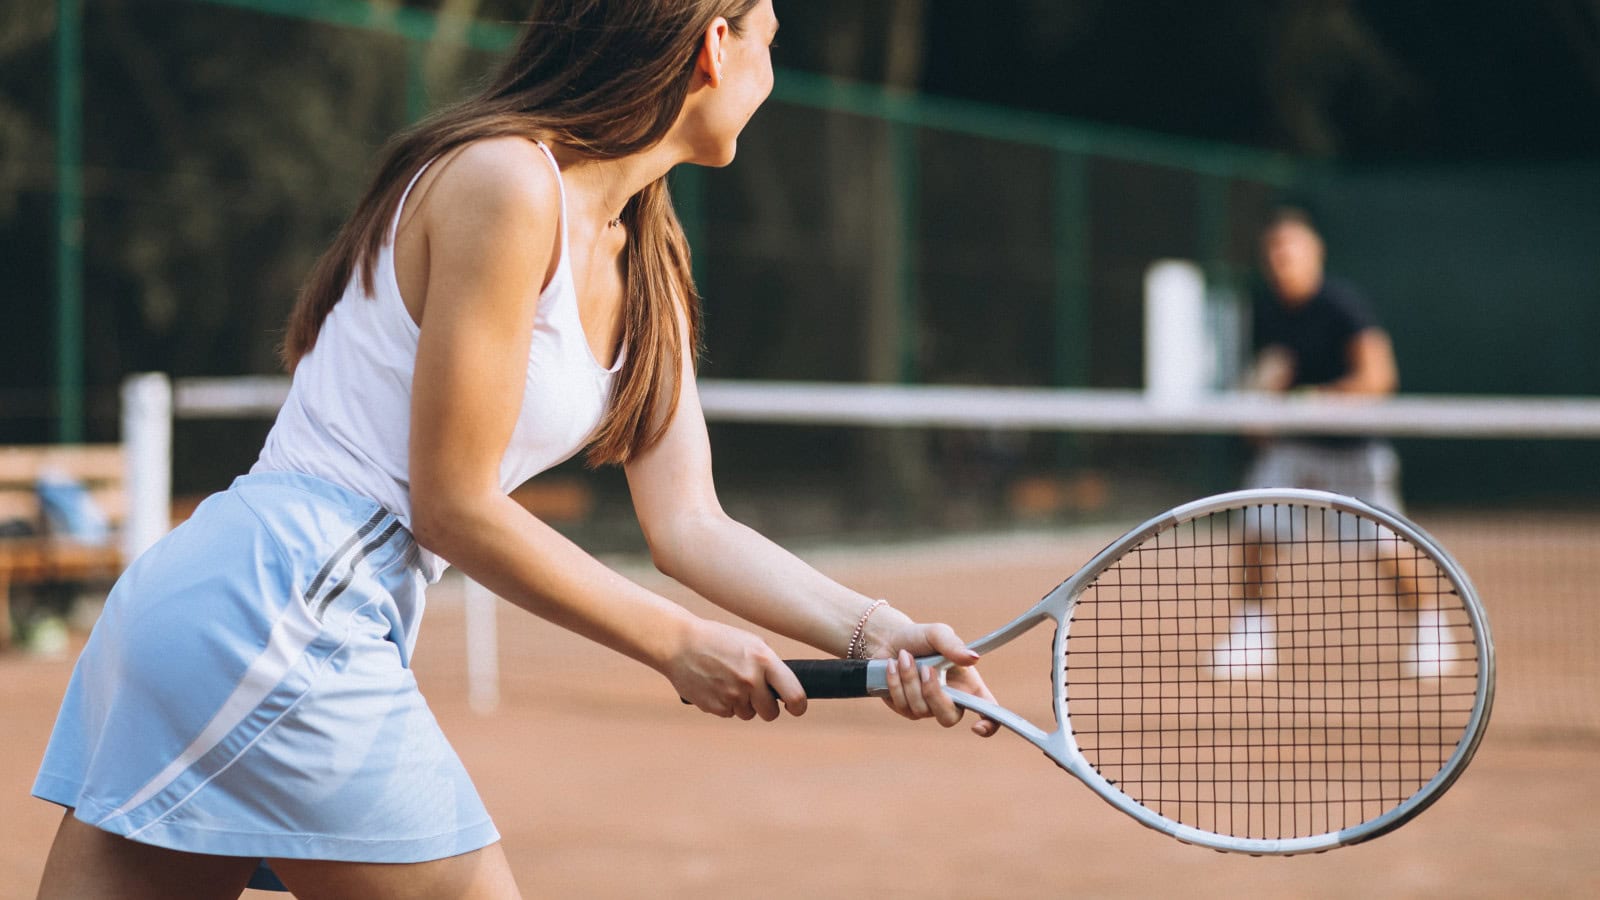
{"x": 561, "y": 185}
{"x": 394, "y": 224}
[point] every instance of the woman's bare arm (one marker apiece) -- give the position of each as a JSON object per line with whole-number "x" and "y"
{"x": 491, "y": 223}
{"x": 695, "y": 542}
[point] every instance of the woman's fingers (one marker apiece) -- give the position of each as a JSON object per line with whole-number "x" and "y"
{"x": 918, "y": 692}
{"x": 761, "y": 702}
{"x": 914, "y": 691}
{"x": 761, "y": 696}
{"x": 939, "y": 703}
{"x": 730, "y": 673}
{"x": 970, "y": 681}
{"x": 915, "y": 680}
{"x": 781, "y": 685}
{"x": 897, "y": 688}
{"x": 906, "y": 687}
{"x": 944, "y": 641}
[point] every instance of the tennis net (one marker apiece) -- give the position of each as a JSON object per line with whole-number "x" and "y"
{"x": 1506, "y": 484}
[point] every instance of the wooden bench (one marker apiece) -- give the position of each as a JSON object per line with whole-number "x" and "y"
{"x": 42, "y": 558}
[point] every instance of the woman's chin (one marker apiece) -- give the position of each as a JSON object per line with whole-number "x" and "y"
{"x": 717, "y": 157}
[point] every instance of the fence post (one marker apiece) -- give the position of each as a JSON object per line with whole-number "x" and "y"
{"x": 480, "y": 607}
{"x": 1070, "y": 297}
{"x": 69, "y": 220}
{"x": 147, "y": 451}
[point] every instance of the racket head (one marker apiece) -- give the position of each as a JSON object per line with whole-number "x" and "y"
{"x": 1252, "y": 672}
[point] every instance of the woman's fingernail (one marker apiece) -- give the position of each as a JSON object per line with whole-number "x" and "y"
{"x": 926, "y": 674}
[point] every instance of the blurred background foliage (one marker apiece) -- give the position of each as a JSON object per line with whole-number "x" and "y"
{"x": 223, "y": 144}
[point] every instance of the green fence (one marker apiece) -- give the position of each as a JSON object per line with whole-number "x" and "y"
{"x": 1004, "y": 229}
{"x": 205, "y": 150}
{"x": 168, "y": 172}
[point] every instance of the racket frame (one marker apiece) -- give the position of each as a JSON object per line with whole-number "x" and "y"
{"x": 1061, "y": 746}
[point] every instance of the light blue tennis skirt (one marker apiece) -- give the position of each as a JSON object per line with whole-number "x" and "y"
{"x": 248, "y": 691}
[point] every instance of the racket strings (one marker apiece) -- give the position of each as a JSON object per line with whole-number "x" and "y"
{"x": 1271, "y": 672}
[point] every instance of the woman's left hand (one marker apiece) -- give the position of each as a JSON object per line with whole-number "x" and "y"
{"x": 916, "y": 692}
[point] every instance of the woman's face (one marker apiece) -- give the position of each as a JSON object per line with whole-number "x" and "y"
{"x": 733, "y": 78}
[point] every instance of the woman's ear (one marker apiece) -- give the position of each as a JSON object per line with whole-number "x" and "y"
{"x": 709, "y": 61}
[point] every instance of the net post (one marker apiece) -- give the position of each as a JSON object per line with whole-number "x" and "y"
{"x": 1177, "y": 357}
{"x": 147, "y": 454}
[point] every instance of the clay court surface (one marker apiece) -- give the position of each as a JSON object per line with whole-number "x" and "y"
{"x": 604, "y": 785}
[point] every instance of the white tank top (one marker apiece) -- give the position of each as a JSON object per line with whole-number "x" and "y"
{"x": 348, "y": 416}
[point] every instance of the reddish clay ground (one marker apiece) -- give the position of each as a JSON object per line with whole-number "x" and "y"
{"x": 605, "y": 786}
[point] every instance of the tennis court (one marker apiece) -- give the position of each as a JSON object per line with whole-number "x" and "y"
{"x": 604, "y": 785}
{"x": 940, "y": 368}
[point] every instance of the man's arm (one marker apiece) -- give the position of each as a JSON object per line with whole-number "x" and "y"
{"x": 1372, "y": 367}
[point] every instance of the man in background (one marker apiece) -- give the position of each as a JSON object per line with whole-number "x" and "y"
{"x": 1316, "y": 334}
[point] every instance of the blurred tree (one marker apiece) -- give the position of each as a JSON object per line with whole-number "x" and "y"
{"x": 26, "y": 29}
{"x": 240, "y": 141}
{"x": 1367, "y": 80}
{"x": 221, "y": 149}
{"x": 1324, "y": 67}
{"x": 1580, "y": 25}
{"x": 445, "y": 59}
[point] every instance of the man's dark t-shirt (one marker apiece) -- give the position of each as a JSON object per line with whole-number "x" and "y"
{"x": 1317, "y": 333}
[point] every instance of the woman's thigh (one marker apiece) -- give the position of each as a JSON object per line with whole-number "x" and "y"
{"x": 479, "y": 875}
{"x": 86, "y": 863}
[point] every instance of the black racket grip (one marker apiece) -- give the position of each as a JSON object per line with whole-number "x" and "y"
{"x": 828, "y": 679}
{"x": 831, "y": 679}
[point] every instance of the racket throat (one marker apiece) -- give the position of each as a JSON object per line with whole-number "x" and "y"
{"x": 1035, "y": 735}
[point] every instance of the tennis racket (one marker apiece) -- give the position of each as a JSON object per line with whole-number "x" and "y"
{"x": 1264, "y": 672}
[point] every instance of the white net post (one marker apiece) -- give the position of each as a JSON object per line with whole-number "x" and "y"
{"x": 479, "y": 608}
{"x": 147, "y": 450}
{"x": 1178, "y": 357}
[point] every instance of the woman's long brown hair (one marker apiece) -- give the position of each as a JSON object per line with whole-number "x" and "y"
{"x": 601, "y": 79}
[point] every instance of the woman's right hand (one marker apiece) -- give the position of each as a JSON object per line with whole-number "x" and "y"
{"x": 729, "y": 672}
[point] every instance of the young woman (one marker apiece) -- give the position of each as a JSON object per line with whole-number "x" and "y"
{"x": 513, "y": 287}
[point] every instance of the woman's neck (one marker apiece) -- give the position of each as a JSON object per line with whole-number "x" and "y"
{"x": 599, "y": 189}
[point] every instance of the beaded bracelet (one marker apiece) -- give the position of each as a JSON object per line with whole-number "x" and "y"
{"x": 858, "y": 646}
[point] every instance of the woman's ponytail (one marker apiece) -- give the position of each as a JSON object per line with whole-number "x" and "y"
{"x": 660, "y": 290}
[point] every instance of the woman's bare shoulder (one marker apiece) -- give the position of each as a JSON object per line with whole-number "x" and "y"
{"x": 506, "y": 178}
